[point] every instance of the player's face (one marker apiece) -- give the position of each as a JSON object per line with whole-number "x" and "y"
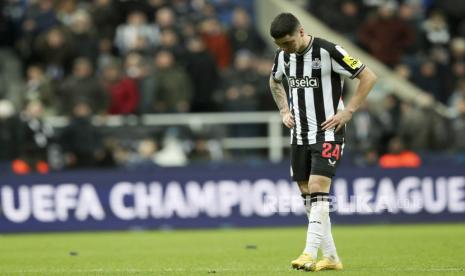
{"x": 290, "y": 43}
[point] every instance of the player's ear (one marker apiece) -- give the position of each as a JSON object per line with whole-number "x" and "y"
{"x": 301, "y": 31}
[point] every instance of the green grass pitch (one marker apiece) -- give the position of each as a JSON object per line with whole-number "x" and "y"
{"x": 365, "y": 250}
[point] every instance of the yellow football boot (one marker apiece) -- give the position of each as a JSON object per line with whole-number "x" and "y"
{"x": 328, "y": 264}
{"x": 304, "y": 262}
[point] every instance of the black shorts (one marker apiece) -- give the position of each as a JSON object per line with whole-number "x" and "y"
{"x": 316, "y": 159}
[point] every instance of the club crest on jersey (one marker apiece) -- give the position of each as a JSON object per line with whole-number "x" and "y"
{"x": 306, "y": 82}
{"x": 316, "y": 63}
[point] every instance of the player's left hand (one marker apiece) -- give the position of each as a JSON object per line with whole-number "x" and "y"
{"x": 338, "y": 120}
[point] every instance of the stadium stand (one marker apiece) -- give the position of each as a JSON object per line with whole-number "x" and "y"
{"x": 73, "y": 63}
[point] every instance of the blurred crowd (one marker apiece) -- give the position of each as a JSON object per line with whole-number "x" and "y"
{"x": 423, "y": 41}
{"x": 79, "y": 58}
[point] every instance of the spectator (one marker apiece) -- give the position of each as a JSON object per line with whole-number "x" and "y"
{"x": 415, "y": 126}
{"x": 457, "y": 49}
{"x": 136, "y": 34}
{"x": 83, "y": 35}
{"x": 172, "y": 153}
{"x": 364, "y": 131}
{"x": 200, "y": 153}
{"x": 82, "y": 86}
{"x": 138, "y": 70}
{"x": 390, "y": 118}
{"x": 217, "y": 41}
{"x": 436, "y": 30}
{"x": 243, "y": 35}
{"x": 242, "y": 70}
{"x": 40, "y": 88}
{"x": 56, "y": 51}
{"x": 40, "y": 17}
{"x": 65, "y": 10}
{"x": 204, "y": 76}
{"x": 403, "y": 71}
{"x": 427, "y": 78}
{"x": 241, "y": 97}
{"x": 34, "y": 139}
{"x": 107, "y": 54}
{"x": 7, "y": 27}
{"x": 11, "y": 78}
{"x": 386, "y": 36}
{"x": 262, "y": 67}
{"x": 105, "y": 16}
{"x": 169, "y": 40}
{"x": 344, "y": 16}
{"x": 122, "y": 91}
{"x": 173, "y": 86}
{"x": 454, "y": 9}
{"x": 145, "y": 156}
{"x": 80, "y": 140}
{"x": 166, "y": 19}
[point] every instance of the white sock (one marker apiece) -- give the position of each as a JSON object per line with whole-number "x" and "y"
{"x": 307, "y": 204}
{"x": 328, "y": 247}
{"x": 316, "y": 224}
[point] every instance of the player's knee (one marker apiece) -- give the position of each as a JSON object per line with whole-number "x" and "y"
{"x": 318, "y": 186}
{"x": 315, "y": 187}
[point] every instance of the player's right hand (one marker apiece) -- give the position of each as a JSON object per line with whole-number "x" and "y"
{"x": 288, "y": 120}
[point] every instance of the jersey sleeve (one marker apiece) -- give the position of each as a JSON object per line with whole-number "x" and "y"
{"x": 277, "y": 71}
{"x": 345, "y": 64}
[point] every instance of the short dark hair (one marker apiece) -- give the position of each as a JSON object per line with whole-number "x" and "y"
{"x": 284, "y": 24}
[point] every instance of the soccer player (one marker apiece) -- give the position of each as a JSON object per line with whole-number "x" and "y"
{"x": 315, "y": 70}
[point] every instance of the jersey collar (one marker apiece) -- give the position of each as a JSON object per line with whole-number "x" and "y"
{"x": 309, "y": 46}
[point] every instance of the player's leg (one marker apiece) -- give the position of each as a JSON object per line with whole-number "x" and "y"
{"x": 300, "y": 171}
{"x": 330, "y": 260}
{"x": 301, "y": 164}
{"x": 305, "y": 194}
{"x": 326, "y": 157}
{"x": 319, "y": 192}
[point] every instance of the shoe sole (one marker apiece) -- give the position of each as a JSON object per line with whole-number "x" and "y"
{"x": 306, "y": 266}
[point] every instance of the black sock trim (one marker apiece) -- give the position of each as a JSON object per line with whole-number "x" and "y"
{"x": 307, "y": 199}
{"x": 319, "y": 196}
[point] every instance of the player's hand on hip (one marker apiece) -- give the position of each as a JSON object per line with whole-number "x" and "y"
{"x": 288, "y": 120}
{"x": 338, "y": 120}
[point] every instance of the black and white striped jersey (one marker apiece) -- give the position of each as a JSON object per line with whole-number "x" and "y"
{"x": 315, "y": 79}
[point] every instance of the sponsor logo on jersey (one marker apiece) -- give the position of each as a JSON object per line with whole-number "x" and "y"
{"x": 306, "y": 82}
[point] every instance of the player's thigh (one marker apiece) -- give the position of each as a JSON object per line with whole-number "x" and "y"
{"x": 301, "y": 163}
{"x": 319, "y": 184}
{"x": 326, "y": 157}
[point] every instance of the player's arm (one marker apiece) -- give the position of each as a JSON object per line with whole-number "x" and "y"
{"x": 280, "y": 98}
{"x": 367, "y": 80}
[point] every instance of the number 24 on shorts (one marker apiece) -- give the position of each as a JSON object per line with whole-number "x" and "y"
{"x": 331, "y": 150}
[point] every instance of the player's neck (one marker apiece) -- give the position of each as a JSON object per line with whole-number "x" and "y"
{"x": 305, "y": 43}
